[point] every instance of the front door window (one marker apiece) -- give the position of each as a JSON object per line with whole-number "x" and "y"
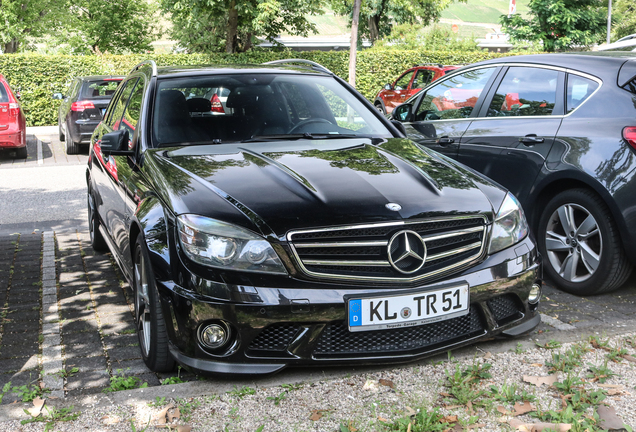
{"x": 525, "y": 91}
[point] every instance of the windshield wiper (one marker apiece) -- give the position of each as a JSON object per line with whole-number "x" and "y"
{"x": 293, "y": 137}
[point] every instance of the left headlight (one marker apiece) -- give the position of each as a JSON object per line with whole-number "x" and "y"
{"x": 510, "y": 226}
{"x": 221, "y": 245}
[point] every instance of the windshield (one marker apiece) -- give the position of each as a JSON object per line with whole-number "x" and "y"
{"x": 252, "y": 107}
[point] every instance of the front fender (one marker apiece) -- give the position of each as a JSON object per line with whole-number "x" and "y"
{"x": 151, "y": 221}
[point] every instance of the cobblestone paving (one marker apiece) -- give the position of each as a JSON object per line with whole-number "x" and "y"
{"x": 94, "y": 322}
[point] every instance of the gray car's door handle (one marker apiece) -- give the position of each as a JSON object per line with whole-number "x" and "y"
{"x": 531, "y": 139}
{"x": 445, "y": 141}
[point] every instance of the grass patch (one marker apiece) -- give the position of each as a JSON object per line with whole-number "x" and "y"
{"x": 120, "y": 382}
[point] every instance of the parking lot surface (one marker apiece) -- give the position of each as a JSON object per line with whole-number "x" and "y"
{"x": 66, "y": 318}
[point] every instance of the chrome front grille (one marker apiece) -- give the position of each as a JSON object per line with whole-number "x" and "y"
{"x": 362, "y": 252}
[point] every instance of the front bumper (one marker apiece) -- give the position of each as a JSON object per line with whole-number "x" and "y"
{"x": 272, "y": 328}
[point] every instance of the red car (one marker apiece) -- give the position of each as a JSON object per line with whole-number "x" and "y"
{"x": 12, "y": 121}
{"x": 409, "y": 83}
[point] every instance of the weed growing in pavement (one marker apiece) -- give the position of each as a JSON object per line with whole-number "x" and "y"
{"x": 422, "y": 421}
{"x": 518, "y": 349}
{"x": 134, "y": 429}
{"x": 121, "y": 382}
{"x": 28, "y": 392}
{"x": 159, "y": 402}
{"x": 565, "y": 362}
{"x": 616, "y": 354}
{"x": 277, "y": 399}
{"x": 580, "y": 421}
{"x": 52, "y": 416}
{"x": 290, "y": 387}
{"x": 551, "y": 344}
{"x": 597, "y": 342}
{"x": 175, "y": 379}
{"x": 510, "y": 393}
{"x": 461, "y": 386}
{"x": 631, "y": 341}
{"x": 128, "y": 331}
{"x": 242, "y": 392}
{"x": 66, "y": 373}
{"x": 186, "y": 408}
{"x": 478, "y": 371}
{"x": 599, "y": 373}
{"x": 569, "y": 384}
{"x": 5, "y": 389}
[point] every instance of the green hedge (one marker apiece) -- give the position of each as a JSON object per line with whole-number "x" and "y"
{"x": 38, "y": 76}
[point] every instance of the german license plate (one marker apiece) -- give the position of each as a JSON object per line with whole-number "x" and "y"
{"x": 406, "y": 310}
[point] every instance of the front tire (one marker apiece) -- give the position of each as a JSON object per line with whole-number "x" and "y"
{"x": 581, "y": 245}
{"x": 151, "y": 326}
{"x": 97, "y": 239}
{"x": 380, "y": 108}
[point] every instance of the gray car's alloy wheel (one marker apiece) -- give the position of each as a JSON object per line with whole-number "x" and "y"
{"x": 151, "y": 327}
{"x": 97, "y": 240}
{"x": 581, "y": 245}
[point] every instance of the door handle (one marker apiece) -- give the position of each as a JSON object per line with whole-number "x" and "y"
{"x": 531, "y": 139}
{"x": 443, "y": 141}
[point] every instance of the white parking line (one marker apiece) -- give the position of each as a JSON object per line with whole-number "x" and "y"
{"x": 38, "y": 144}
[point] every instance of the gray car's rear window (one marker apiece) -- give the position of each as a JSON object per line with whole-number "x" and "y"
{"x": 99, "y": 89}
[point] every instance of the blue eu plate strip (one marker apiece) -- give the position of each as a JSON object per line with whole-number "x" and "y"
{"x": 355, "y": 313}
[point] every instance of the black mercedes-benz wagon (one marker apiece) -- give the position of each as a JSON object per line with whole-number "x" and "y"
{"x": 296, "y": 226}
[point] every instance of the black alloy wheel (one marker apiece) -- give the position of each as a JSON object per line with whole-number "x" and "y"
{"x": 378, "y": 106}
{"x": 151, "y": 327}
{"x": 97, "y": 239}
{"x": 580, "y": 244}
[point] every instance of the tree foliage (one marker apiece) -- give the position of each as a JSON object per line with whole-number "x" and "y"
{"x": 22, "y": 19}
{"x": 559, "y": 24}
{"x": 114, "y": 26}
{"x": 378, "y": 16}
{"x": 624, "y": 14}
{"x": 206, "y": 26}
{"x": 413, "y": 37}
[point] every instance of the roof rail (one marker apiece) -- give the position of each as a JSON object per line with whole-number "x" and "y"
{"x": 439, "y": 65}
{"x": 313, "y": 64}
{"x": 150, "y": 63}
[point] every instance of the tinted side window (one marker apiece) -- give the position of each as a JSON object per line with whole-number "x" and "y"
{"x": 525, "y": 91}
{"x": 579, "y": 89}
{"x": 455, "y": 97}
{"x": 132, "y": 113}
{"x": 422, "y": 79}
{"x": 4, "y": 95}
{"x": 97, "y": 89}
{"x": 117, "y": 106}
{"x": 403, "y": 81}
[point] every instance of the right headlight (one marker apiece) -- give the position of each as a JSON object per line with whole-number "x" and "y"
{"x": 221, "y": 245}
{"x": 509, "y": 227}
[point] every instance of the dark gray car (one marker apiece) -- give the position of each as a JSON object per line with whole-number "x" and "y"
{"x": 558, "y": 131}
{"x": 83, "y": 106}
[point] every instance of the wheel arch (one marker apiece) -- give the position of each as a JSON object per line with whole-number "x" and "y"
{"x": 563, "y": 181}
{"x": 375, "y": 102}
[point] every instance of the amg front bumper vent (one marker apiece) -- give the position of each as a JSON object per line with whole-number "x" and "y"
{"x": 372, "y": 253}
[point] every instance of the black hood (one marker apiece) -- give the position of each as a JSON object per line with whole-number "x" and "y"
{"x": 277, "y": 187}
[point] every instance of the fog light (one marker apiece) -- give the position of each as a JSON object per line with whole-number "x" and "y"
{"x": 213, "y": 336}
{"x": 535, "y": 294}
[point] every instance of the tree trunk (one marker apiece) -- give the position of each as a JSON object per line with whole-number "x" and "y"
{"x": 232, "y": 29}
{"x": 248, "y": 41}
{"x": 374, "y": 28}
{"x": 354, "y": 42}
{"x": 11, "y": 47}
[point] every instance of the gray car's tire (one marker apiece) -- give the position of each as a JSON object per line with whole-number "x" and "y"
{"x": 59, "y": 131}
{"x": 151, "y": 326}
{"x": 580, "y": 244}
{"x": 70, "y": 146}
{"x": 380, "y": 108}
{"x": 21, "y": 153}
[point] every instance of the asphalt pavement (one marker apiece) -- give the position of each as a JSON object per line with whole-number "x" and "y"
{"x": 66, "y": 321}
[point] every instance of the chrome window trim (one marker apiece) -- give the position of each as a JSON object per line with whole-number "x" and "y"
{"x": 456, "y": 266}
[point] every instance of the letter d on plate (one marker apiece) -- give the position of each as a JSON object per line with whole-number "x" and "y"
{"x": 355, "y": 313}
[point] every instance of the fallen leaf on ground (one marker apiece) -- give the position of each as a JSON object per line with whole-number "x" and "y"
{"x": 175, "y": 414}
{"x": 410, "y": 411}
{"x": 503, "y": 410}
{"x": 629, "y": 358}
{"x": 609, "y": 419}
{"x": 469, "y": 404}
{"x": 539, "y": 427}
{"x": 616, "y": 386}
{"x": 536, "y": 365}
{"x": 382, "y": 419}
{"x": 539, "y": 381}
{"x": 449, "y": 419}
{"x": 184, "y": 428}
{"x": 445, "y": 394}
{"x": 475, "y": 426}
{"x": 317, "y": 414}
{"x": 38, "y": 404}
{"x": 387, "y": 383}
{"x": 450, "y": 407}
{"x": 522, "y": 408}
{"x": 488, "y": 355}
{"x": 161, "y": 416}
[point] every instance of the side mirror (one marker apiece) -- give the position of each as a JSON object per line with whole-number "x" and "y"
{"x": 58, "y": 96}
{"x": 402, "y": 113}
{"x": 388, "y": 86}
{"x": 18, "y": 95}
{"x": 116, "y": 143}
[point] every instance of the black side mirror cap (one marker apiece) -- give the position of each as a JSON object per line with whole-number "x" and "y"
{"x": 116, "y": 143}
{"x": 402, "y": 113}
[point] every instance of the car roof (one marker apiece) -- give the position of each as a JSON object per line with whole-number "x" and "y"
{"x": 197, "y": 70}
{"x": 101, "y": 77}
{"x": 604, "y": 64}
